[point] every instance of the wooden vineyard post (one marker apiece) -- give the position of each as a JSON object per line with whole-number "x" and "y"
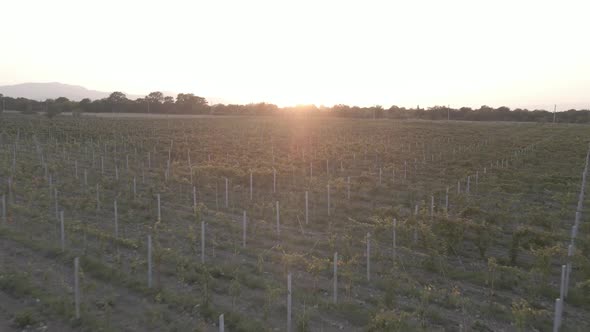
{"x": 101, "y": 165}
{"x": 159, "y": 208}
{"x": 289, "y": 303}
{"x": 221, "y": 323}
{"x": 570, "y": 252}
{"x": 278, "y": 220}
{"x": 62, "y": 231}
{"x": 85, "y": 178}
{"x": 149, "y": 260}
{"x": 335, "y": 287}
{"x": 76, "y": 169}
{"x": 458, "y": 187}
{"x": 306, "y": 207}
{"x": 244, "y": 230}
{"x": 134, "y": 187}
{"x": 562, "y": 293}
{"x": 116, "y": 220}
{"x": 77, "y": 286}
{"x": 368, "y": 256}
{"x": 476, "y": 180}
{"x": 380, "y": 175}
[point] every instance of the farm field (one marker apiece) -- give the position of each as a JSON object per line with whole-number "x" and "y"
{"x": 379, "y": 225}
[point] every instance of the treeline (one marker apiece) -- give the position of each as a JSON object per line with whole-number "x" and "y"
{"x": 188, "y": 103}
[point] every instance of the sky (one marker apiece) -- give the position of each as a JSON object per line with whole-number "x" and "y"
{"x": 516, "y": 53}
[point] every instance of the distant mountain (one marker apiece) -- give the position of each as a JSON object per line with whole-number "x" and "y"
{"x": 42, "y": 91}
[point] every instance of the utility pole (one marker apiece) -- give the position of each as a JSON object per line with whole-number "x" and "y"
{"x": 554, "y": 109}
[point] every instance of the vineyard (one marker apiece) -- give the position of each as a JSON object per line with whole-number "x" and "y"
{"x": 292, "y": 224}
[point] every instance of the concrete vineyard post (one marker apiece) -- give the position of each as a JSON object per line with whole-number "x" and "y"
{"x": 306, "y": 207}
{"x": 380, "y": 175}
{"x": 159, "y": 208}
{"x": 85, "y": 178}
{"x": 250, "y": 185}
{"x": 134, "y": 187}
{"x": 289, "y": 303}
{"x": 562, "y": 283}
{"x": 368, "y": 256}
{"x": 221, "y": 324}
{"x": 97, "y": 198}
{"x": 458, "y": 187}
{"x": 101, "y": 165}
{"x": 194, "y": 199}
{"x": 202, "y": 242}
{"x": 394, "y": 237}
{"x": 447, "y": 200}
{"x": 244, "y": 230}
{"x": 348, "y": 188}
{"x": 149, "y": 260}
{"x": 328, "y": 200}
{"x": 76, "y": 169}
{"x": 335, "y": 279}
{"x": 4, "y": 220}
{"x": 226, "y": 193}
{"x": 56, "y": 203}
{"x": 77, "y": 286}
{"x": 274, "y": 180}
{"x": 405, "y": 169}
{"x": 431, "y": 206}
{"x": 116, "y": 220}
{"x": 62, "y": 231}
{"x": 556, "y": 317}
{"x": 278, "y": 220}
{"x": 468, "y": 185}
{"x": 476, "y": 180}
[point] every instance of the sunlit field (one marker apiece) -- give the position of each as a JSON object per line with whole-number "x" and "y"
{"x": 378, "y": 225}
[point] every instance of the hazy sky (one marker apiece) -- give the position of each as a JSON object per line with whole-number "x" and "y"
{"x": 514, "y": 53}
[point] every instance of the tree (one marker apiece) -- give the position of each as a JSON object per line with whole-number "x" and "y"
{"x": 116, "y": 100}
{"x": 155, "y": 97}
{"x": 189, "y": 103}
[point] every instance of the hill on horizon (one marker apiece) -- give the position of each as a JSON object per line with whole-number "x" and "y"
{"x": 53, "y": 90}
